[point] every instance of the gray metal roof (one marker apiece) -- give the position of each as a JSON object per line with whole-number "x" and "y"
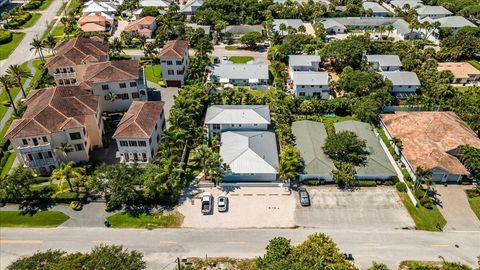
{"x": 310, "y": 78}
{"x": 377, "y": 164}
{"x": 433, "y": 10}
{"x": 359, "y": 21}
{"x": 451, "y": 22}
{"x": 402, "y": 27}
{"x": 385, "y": 59}
{"x": 401, "y": 3}
{"x": 310, "y": 137}
{"x": 294, "y": 23}
{"x": 237, "y": 114}
{"x": 240, "y": 71}
{"x": 242, "y": 29}
{"x": 206, "y": 28}
{"x": 401, "y": 77}
{"x": 303, "y": 60}
{"x": 189, "y": 5}
{"x": 374, "y": 6}
{"x": 250, "y": 151}
{"x": 329, "y": 23}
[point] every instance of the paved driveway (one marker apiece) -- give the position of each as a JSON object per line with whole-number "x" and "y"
{"x": 249, "y": 207}
{"x": 366, "y": 208}
{"x": 454, "y": 206}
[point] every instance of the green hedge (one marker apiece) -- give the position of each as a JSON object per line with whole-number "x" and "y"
{"x": 33, "y": 4}
{"x": 5, "y": 36}
{"x": 18, "y": 20}
{"x": 401, "y": 187}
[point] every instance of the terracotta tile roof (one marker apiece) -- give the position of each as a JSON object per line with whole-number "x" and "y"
{"x": 140, "y": 120}
{"x": 52, "y": 110}
{"x": 122, "y": 70}
{"x": 135, "y": 25}
{"x": 459, "y": 69}
{"x": 78, "y": 51}
{"x": 174, "y": 49}
{"x": 94, "y": 23}
{"x": 428, "y": 136}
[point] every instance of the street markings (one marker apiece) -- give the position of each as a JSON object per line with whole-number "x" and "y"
{"x": 33, "y": 242}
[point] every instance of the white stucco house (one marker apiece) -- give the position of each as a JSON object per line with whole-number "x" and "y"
{"x": 377, "y": 9}
{"x": 311, "y": 84}
{"x": 384, "y": 62}
{"x": 405, "y": 83}
{"x": 174, "y": 60}
{"x": 303, "y": 63}
{"x": 253, "y": 75}
{"x": 433, "y": 12}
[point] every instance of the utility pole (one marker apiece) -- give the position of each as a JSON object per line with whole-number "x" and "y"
{"x": 178, "y": 263}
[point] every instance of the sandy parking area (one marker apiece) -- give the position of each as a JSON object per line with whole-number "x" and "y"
{"x": 249, "y": 207}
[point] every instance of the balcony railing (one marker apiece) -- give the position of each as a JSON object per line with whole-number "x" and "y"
{"x": 57, "y": 76}
{"x": 41, "y": 162}
{"x": 28, "y": 149}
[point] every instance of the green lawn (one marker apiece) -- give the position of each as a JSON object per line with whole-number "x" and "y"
{"x": 153, "y": 73}
{"x": 474, "y": 201}
{"x": 231, "y": 47}
{"x": 240, "y": 59}
{"x": 475, "y": 63}
{"x": 45, "y": 4}
{"x": 58, "y": 30}
{"x": 32, "y": 21}
{"x": 425, "y": 219}
{"x": 49, "y": 28}
{"x": 8, "y": 165}
{"x": 7, "y": 48}
{"x": 13, "y": 91}
{"x": 44, "y": 219}
{"x": 149, "y": 221}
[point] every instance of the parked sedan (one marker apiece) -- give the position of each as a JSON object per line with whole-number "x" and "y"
{"x": 222, "y": 203}
{"x": 304, "y": 198}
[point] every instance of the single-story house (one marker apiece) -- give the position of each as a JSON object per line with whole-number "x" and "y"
{"x": 154, "y": 3}
{"x": 191, "y": 7}
{"x": 206, "y": 28}
{"x": 252, "y": 156}
{"x": 404, "y": 3}
{"x": 310, "y": 137}
{"x": 254, "y": 75}
{"x": 376, "y": 8}
{"x": 384, "y": 62}
{"x": 463, "y": 72}
{"x": 430, "y": 140}
{"x": 142, "y": 27}
{"x": 433, "y": 12}
{"x": 311, "y": 84}
{"x": 333, "y": 27}
{"x": 402, "y": 29}
{"x": 377, "y": 165}
{"x": 405, "y": 83}
{"x": 454, "y": 23}
{"x": 292, "y": 23}
{"x": 240, "y": 30}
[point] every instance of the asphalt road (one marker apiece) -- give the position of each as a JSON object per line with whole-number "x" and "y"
{"x": 162, "y": 246}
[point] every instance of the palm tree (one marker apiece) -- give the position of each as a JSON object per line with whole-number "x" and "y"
{"x": 423, "y": 174}
{"x": 38, "y": 46}
{"x": 116, "y": 46}
{"x": 66, "y": 173}
{"x": 65, "y": 148}
{"x": 5, "y": 80}
{"x": 282, "y": 27}
{"x": 17, "y": 74}
{"x": 112, "y": 96}
{"x": 389, "y": 30}
{"x": 50, "y": 42}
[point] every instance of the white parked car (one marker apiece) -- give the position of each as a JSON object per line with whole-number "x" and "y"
{"x": 222, "y": 203}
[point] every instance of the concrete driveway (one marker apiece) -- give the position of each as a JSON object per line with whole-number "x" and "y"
{"x": 258, "y": 55}
{"x": 365, "y": 208}
{"x": 454, "y": 206}
{"x": 249, "y": 207}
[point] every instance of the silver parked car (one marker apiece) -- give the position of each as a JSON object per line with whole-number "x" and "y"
{"x": 222, "y": 203}
{"x": 207, "y": 203}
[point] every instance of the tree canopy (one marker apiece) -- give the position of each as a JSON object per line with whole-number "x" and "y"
{"x": 346, "y": 146}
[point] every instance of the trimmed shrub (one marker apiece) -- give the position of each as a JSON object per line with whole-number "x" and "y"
{"x": 394, "y": 179}
{"x": 33, "y": 4}
{"x": 426, "y": 202}
{"x": 366, "y": 183}
{"x": 18, "y": 20}
{"x": 75, "y": 205}
{"x": 419, "y": 193}
{"x": 5, "y": 36}
{"x": 401, "y": 187}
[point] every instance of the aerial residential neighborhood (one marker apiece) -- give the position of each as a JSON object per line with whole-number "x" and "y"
{"x": 240, "y": 135}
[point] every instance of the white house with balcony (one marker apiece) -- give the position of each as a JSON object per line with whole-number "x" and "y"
{"x": 221, "y": 118}
{"x": 311, "y": 84}
{"x": 251, "y": 74}
{"x": 138, "y": 133}
{"x": 60, "y": 124}
{"x": 383, "y": 62}
{"x": 174, "y": 60}
{"x": 303, "y": 63}
{"x": 405, "y": 83}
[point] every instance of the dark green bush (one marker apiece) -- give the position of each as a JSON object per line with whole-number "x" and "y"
{"x": 366, "y": 183}
{"x": 33, "y": 4}
{"x": 401, "y": 187}
{"x": 18, "y": 20}
{"x": 419, "y": 193}
{"x": 426, "y": 202}
{"x": 5, "y": 36}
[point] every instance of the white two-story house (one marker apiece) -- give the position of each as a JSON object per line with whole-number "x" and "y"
{"x": 220, "y": 118}
{"x": 405, "y": 83}
{"x": 251, "y": 74}
{"x": 174, "y": 60}
{"x": 138, "y": 133}
{"x": 383, "y": 62}
{"x": 303, "y": 63}
{"x": 305, "y": 78}
{"x": 60, "y": 124}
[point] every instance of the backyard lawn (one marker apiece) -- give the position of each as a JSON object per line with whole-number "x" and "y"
{"x": 8, "y": 164}
{"x": 475, "y": 63}
{"x": 32, "y": 21}
{"x": 149, "y": 221}
{"x": 424, "y": 218}
{"x": 153, "y": 73}
{"x": 240, "y": 59}
{"x": 44, "y": 219}
{"x": 474, "y": 200}
{"x": 7, "y": 48}
{"x": 45, "y": 4}
{"x": 58, "y": 30}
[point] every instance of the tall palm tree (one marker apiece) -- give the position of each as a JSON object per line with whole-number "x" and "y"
{"x": 17, "y": 74}
{"x": 112, "y": 96}
{"x": 50, "y": 42}
{"x": 38, "y": 46}
{"x": 66, "y": 173}
{"x": 389, "y": 30}
{"x": 5, "y": 80}
{"x": 423, "y": 174}
{"x": 65, "y": 148}
{"x": 116, "y": 46}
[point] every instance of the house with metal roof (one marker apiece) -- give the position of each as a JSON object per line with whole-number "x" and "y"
{"x": 303, "y": 62}
{"x": 253, "y": 75}
{"x": 384, "y": 62}
{"x": 239, "y": 30}
{"x": 405, "y": 3}
{"x": 293, "y": 24}
{"x": 206, "y": 28}
{"x": 221, "y": 118}
{"x": 311, "y": 84}
{"x": 252, "y": 156}
{"x": 402, "y": 29}
{"x": 154, "y": 3}
{"x": 377, "y": 165}
{"x": 310, "y": 137}
{"x": 454, "y": 23}
{"x": 405, "y": 83}
{"x": 432, "y": 12}
{"x": 191, "y": 7}
{"x": 376, "y": 8}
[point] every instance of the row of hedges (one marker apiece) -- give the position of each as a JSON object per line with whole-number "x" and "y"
{"x": 33, "y": 4}
{"x": 18, "y": 20}
{"x": 360, "y": 183}
{"x": 5, "y": 36}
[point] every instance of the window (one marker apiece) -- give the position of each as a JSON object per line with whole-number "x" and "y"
{"x": 105, "y": 87}
{"x": 40, "y": 155}
{"x": 25, "y": 142}
{"x": 409, "y": 86}
{"x": 123, "y": 143}
{"x": 142, "y": 143}
{"x": 144, "y": 157}
{"x": 239, "y": 125}
{"x": 169, "y": 63}
{"x": 179, "y": 72}
{"x": 122, "y": 85}
{"x": 35, "y": 141}
{"x": 255, "y": 125}
{"x": 179, "y": 63}
{"x": 50, "y": 154}
{"x": 135, "y": 95}
{"x": 132, "y": 143}
{"x": 75, "y": 136}
{"x": 133, "y": 84}
{"x": 123, "y": 96}
{"x": 44, "y": 139}
{"x": 216, "y": 126}
{"x": 79, "y": 147}
{"x": 303, "y": 86}
{"x": 171, "y": 72}
{"x": 302, "y": 94}
{"x": 29, "y": 157}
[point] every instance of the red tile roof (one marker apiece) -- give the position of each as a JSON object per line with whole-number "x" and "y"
{"x": 428, "y": 136}
{"x": 94, "y": 23}
{"x": 52, "y": 110}
{"x": 78, "y": 51}
{"x": 174, "y": 49}
{"x": 135, "y": 25}
{"x": 122, "y": 70}
{"x": 140, "y": 120}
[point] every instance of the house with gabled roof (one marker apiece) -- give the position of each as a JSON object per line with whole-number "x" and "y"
{"x": 292, "y": 24}
{"x": 56, "y": 116}
{"x": 174, "y": 60}
{"x": 96, "y": 22}
{"x": 384, "y": 62}
{"x": 432, "y": 12}
{"x": 220, "y": 118}
{"x": 138, "y": 133}
{"x": 145, "y": 26}
{"x": 377, "y": 9}
{"x": 252, "y": 74}
{"x": 405, "y": 83}
{"x": 191, "y": 7}
{"x": 463, "y": 72}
